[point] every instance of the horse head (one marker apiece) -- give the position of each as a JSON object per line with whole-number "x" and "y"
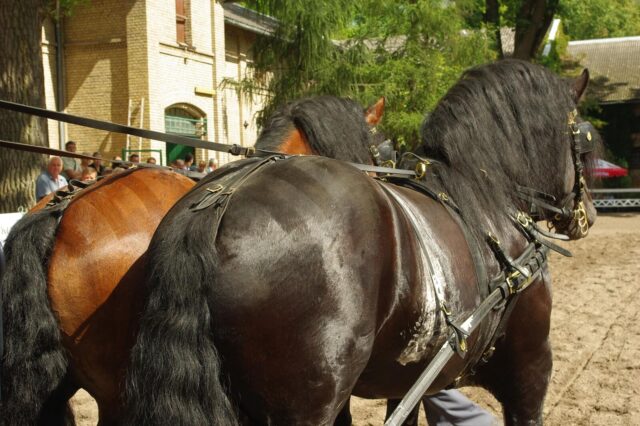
{"x": 572, "y": 212}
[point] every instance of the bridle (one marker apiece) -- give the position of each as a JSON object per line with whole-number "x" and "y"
{"x": 571, "y": 209}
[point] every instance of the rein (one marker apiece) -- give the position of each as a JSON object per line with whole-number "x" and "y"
{"x": 128, "y": 130}
{"x": 233, "y": 149}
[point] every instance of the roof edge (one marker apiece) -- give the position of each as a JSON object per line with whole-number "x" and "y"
{"x": 604, "y": 40}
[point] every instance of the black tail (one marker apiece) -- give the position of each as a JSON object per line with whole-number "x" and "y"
{"x": 174, "y": 375}
{"x": 34, "y": 363}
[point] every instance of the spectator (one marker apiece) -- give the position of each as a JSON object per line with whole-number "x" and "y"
{"x": 84, "y": 162}
{"x": 97, "y": 164}
{"x": 202, "y": 165}
{"x": 134, "y": 158}
{"x": 70, "y": 166}
{"x": 88, "y": 173}
{"x": 151, "y": 160}
{"x": 117, "y": 166}
{"x": 180, "y": 165}
{"x": 188, "y": 162}
{"x": 212, "y": 166}
{"x": 51, "y": 180}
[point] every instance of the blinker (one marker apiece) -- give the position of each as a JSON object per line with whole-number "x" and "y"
{"x": 586, "y": 142}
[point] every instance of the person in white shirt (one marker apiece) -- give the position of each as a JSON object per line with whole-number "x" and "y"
{"x": 51, "y": 180}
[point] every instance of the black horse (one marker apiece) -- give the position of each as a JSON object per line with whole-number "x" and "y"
{"x": 310, "y": 281}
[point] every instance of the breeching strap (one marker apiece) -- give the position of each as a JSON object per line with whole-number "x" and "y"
{"x": 511, "y": 285}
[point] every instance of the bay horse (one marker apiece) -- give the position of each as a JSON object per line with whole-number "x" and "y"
{"x": 72, "y": 293}
{"x": 315, "y": 281}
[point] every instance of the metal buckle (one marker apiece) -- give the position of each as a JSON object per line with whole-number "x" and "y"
{"x": 512, "y": 287}
{"x": 421, "y": 169}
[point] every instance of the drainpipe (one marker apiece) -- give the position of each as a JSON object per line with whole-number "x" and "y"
{"x": 60, "y": 75}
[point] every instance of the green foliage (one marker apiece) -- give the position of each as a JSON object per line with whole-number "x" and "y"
{"x": 588, "y": 19}
{"x": 409, "y": 51}
{"x": 66, "y": 6}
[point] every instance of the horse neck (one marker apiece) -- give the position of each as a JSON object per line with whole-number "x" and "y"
{"x": 296, "y": 144}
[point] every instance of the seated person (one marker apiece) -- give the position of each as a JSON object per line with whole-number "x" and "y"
{"x": 71, "y": 168}
{"x": 211, "y": 166}
{"x": 97, "y": 164}
{"x": 51, "y": 180}
{"x": 88, "y": 173}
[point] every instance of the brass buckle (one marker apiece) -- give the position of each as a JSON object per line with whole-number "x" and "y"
{"x": 513, "y": 275}
{"x": 421, "y": 169}
{"x": 524, "y": 219}
{"x": 215, "y": 189}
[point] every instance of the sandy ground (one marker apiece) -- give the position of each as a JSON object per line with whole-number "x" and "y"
{"x": 595, "y": 334}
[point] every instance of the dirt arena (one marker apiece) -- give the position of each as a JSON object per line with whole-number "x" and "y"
{"x": 595, "y": 334}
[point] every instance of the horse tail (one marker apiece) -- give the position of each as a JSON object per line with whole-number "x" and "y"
{"x": 34, "y": 365}
{"x": 174, "y": 377}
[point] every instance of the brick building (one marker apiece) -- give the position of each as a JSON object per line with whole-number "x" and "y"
{"x": 155, "y": 64}
{"x": 614, "y": 65}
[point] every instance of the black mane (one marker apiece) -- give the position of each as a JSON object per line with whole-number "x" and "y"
{"x": 334, "y": 127}
{"x": 502, "y": 124}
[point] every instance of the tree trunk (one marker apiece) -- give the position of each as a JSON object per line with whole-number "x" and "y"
{"x": 21, "y": 80}
{"x": 492, "y": 17}
{"x": 532, "y": 23}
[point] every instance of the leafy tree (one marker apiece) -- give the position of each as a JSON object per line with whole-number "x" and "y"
{"x": 588, "y": 19}
{"x": 530, "y": 18}
{"x": 409, "y": 51}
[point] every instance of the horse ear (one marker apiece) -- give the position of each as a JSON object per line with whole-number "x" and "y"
{"x": 374, "y": 112}
{"x": 580, "y": 85}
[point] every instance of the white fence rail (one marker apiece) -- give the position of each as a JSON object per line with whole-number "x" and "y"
{"x": 605, "y": 198}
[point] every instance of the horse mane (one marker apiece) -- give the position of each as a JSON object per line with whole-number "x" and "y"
{"x": 334, "y": 127}
{"x": 498, "y": 127}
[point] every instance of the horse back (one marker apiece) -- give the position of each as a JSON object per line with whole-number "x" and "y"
{"x": 97, "y": 266}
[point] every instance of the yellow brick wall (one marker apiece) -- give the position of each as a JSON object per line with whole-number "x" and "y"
{"x": 241, "y": 108}
{"x": 125, "y": 53}
{"x": 50, "y": 77}
{"x": 96, "y": 79}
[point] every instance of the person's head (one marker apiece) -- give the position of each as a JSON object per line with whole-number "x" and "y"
{"x": 180, "y": 164}
{"x": 201, "y": 166}
{"x": 88, "y": 174}
{"x": 98, "y": 157}
{"x": 116, "y": 165}
{"x": 70, "y": 146}
{"x": 84, "y": 162}
{"x": 151, "y": 160}
{"x": 188, "y": 159}
{"x": 212, "y": 164}
{"x": 54, "y": 167}
{"x": 134, "y": 158}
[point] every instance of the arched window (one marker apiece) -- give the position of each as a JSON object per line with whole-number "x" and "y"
{"x": 184, "y": 120}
